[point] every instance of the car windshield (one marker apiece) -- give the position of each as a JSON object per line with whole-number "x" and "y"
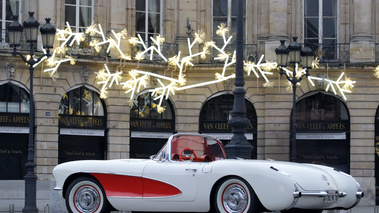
{"x": 197, "y": 148}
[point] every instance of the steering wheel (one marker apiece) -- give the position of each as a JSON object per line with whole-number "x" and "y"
{"x": 181, "y": 153}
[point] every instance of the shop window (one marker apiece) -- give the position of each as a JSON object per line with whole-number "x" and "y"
{"x": 79, "y": 14}
{"x": 220, "y": 108}
{"x": 149, "y": 126}
{"x": 321, "y": 107}
{"x": 147, "y": 108}
{"x": 81, "y": 101}
{"x": 13, "y": 99}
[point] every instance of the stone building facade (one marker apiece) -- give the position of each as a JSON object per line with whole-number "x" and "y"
{"x": 332, "y": 130}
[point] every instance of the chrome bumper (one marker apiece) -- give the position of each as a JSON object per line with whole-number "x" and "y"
{"x": 297, "y": 194}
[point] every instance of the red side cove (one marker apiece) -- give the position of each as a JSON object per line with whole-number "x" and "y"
{"x": 129, "y": 186}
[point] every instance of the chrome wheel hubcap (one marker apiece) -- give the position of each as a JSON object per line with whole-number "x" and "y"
{"x": 235, "y": 198}
{"x": 87, "y": 199}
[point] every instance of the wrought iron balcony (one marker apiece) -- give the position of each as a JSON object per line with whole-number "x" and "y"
{"x": 335, "y": 53}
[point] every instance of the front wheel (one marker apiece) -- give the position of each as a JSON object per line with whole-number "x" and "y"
{"x": 235, "y": 195}
{"x": 85, "y": 194}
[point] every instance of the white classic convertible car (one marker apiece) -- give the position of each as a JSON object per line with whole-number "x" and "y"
{"x": 191, "y": 173}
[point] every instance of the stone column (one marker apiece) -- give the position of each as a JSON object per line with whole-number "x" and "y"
{"x": 277, "y": 27}
{"x": 362, "y": 46}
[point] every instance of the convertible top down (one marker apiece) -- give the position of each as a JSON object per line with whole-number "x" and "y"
{"x": 191, "y": 173}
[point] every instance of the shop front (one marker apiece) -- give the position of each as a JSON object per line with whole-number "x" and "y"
{"x": 14, "y": 131}
{"x": 82, "y": 126}
{"x": 323, "y": 131}
{"x": 149, "y": 127}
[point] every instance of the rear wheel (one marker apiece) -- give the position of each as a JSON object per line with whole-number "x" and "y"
{"x": 85, "y": 194}
{"x": 235, "y": 195}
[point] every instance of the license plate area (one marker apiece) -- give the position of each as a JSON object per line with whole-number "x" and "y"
{"x": 331, "y": 198}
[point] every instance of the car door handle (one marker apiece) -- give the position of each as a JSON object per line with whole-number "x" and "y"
{"x": 193, "y": 170}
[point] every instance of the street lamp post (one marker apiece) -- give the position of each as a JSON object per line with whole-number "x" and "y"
{"x": 15, "y": 29}
{"x": 238, "y": 145}
{"x": 293, "y": 54}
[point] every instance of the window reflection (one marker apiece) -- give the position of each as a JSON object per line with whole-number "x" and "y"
{"x": 221, "y": 16}
{"x": 321, "y": 107}
{"x": 146, "y": 107}
{"x": 220, "y": 108}
{"x": 78, "y": 13}
{"x": 13, "y": 99}
{"x": 148, "y": 18}
{"x": 81, "y": 101}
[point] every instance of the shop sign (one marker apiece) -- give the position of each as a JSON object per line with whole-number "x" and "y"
{"x": 321, "y": 136}
{"x": 163, "y": 135}
{"x": 221, "y": 126}
{"x": 228, "y": 136}
{"x": 151, "y": 125}
{"x": 14, "y": 119}
{"x": 14, "y": 130}
{"x": 82, "y": 121}
{"x": 324, "y": 126}
{"x": 82, "y": 132}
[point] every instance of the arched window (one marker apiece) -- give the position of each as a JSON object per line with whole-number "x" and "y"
{"x": 214, "y": 117}
{"x": 81, "y": 101}
{"x": 82, "y": 126}
{"x": 13, "y": 99}
{"x": 14, "y": 131}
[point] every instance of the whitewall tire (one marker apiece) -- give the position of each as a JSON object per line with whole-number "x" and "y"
{"x": 235, "y": 195}
{"x": 85, "y": 194}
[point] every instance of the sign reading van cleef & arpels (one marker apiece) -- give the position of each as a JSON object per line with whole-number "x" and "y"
{"x": 73, "y": 121}
{"x": 16, "y": 119}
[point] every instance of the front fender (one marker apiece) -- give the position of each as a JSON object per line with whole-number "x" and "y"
{"x": 275, "y": 190}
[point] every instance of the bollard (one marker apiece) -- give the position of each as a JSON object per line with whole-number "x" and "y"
{"x": 11, "y": 208}
{"x": 46, "y": 209}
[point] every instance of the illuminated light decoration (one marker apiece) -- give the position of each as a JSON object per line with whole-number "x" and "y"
{"x": 376, "y": 72}
{"x": 66, "y": 35}
{"x": 187, "y": 60}
{"x": 52, "y": 62}
{"x": 251, "y": 67}
{"x": 135, "y": 83}
{"x": 206, "y": 83}
{"x": 163, "y": 91}
{"x": 347, "y": 85}
{"x": 223, "y": 56}
{"x": 107, "y": 78}
{"x": 342, "y": 86}
{"x": 158, "y": 40}
{"x": 113, "y": 43}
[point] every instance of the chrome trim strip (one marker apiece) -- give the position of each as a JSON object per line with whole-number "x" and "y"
{"x": 57, "y": 188}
